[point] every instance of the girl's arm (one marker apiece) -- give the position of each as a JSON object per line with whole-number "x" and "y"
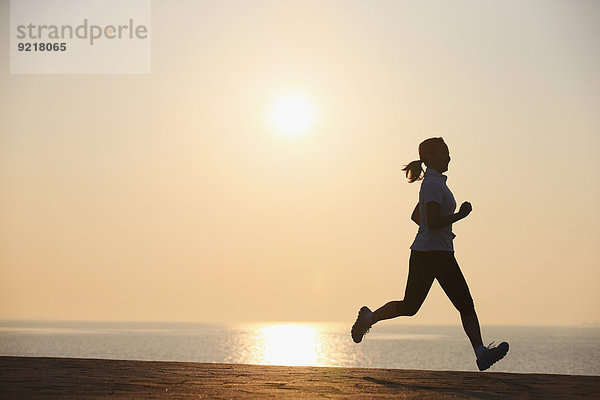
{"x": 416, "y": 215}
{"x": 435, "y": 220}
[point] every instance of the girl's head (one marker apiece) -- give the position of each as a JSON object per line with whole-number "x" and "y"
{"x": 434, "y": 153}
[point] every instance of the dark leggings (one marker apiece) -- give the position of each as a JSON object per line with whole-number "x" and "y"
{"x": 424, "y": 267}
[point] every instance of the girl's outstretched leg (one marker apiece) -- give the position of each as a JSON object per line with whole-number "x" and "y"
{"x": 454, "y": 284}
{"x": 486, "y": 356}
{"x": 470, "y": 324}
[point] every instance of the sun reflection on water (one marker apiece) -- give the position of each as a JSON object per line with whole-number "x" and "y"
{"x": 293, "y": 343}
{"x": 288, "y": 344}
{"x": 284, "y": 344}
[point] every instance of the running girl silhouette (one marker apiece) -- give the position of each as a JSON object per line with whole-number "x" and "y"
{"x": 432, "y": 255}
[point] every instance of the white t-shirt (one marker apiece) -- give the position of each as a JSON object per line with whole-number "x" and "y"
{"x": 433, "y": 188}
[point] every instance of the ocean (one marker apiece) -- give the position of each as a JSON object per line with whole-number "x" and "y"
{"x": 555, "y": 350}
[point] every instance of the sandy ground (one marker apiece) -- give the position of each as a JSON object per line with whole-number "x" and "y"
{"x": 86, "y": 378}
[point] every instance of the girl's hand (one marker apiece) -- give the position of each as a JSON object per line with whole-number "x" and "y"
{"x": 465, "y": 209}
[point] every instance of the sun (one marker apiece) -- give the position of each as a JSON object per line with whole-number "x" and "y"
{"x": 292, "y": 114}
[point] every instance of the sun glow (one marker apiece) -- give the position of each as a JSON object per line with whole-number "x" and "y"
{"x": 292, "y": 114}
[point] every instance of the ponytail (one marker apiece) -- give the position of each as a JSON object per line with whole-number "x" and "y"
{"x": 414, "y": 171}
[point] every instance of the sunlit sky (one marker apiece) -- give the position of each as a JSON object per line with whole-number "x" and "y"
{"x": 174, "y": 196}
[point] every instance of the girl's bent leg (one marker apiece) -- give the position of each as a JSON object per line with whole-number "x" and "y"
{"x": 387, "y": 311}
{"x": 420, "y": 279}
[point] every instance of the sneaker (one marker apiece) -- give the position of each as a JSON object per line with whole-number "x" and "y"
{"x": 492, "y": 354}
{"x": 362, "y": 324}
